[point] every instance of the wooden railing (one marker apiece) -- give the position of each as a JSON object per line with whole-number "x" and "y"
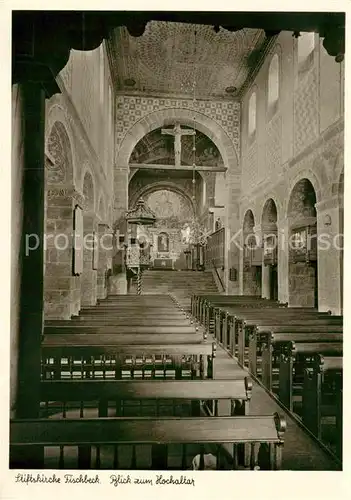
{"x": 214, "y": 253}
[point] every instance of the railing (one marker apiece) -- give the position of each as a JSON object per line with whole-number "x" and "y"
{"x": 215, "y": 249}
{"x": 217, "y": 275}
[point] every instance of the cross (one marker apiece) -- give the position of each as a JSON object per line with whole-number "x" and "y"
{"x": 177, "y": 132}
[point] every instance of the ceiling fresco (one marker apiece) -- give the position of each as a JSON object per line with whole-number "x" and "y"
{"x": 169, "y": 58}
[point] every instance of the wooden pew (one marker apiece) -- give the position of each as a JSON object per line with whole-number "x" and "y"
{"x": 222, "y": 316}
{"x": 263, "y": 432}
{"x": 94, "y": 338}
{"x": 261, "y": 335}
{"x": 270, "y": 341}
{"x": 123, "y": 329}
{"x": 208, "y": 315}
{"x": 200, "y": 302}
{"x": 322, "y": 397}
{"x": 209, "y": 392}
{"x": 212, "y": 309}
{"x": 294, "y": 359}
{"x": 133, "y": 320}
{"x": 270, "y": 318}
{"x": 244, "y": 318}
{"x": 110, "y": 359}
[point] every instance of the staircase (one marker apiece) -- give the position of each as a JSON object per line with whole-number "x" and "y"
{"x": 181, "y": 284}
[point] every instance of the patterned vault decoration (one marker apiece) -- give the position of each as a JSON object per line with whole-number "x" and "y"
{"x": 169, "y": 57}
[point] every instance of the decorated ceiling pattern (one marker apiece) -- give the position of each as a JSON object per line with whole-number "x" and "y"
{"x": 169, "y": 57}
{"x": 131, "y": 109}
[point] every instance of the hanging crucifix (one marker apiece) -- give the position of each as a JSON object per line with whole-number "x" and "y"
{"x": 177, "y": 132}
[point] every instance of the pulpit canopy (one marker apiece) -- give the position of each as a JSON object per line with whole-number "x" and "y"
{"x": 141, "y": 214}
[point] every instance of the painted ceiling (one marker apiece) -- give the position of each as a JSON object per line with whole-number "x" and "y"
{"x": 170, "y": 58}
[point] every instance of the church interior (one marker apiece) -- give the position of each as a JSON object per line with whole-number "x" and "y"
{"x": 177, "y": 240}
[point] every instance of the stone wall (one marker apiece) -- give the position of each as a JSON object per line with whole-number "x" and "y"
{"x": 79, "y": 142}
{"x": 302, "y": 284}
{"x": 302, "y": 139}
{"x": 252, "y": 281}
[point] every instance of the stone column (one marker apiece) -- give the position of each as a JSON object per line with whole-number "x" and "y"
{"x": 329, "y": 255}
{"x": 265, "y": 282}
{"x": 118, "y": 280}
{"x": 31, "y": 261}
{"x": 105, "y": 254}
{"x": 89, "y": 275}
{"x": 265, "y": 292}
{"x": 283, "y": 259}
{"x": 234, "y": 235}
{"x": 60, "y": 286}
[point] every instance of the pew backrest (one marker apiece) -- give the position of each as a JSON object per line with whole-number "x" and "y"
{"x": 122, "y": 430}
{"x": 91, "y": 390}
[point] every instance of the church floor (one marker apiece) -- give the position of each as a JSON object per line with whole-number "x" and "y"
{"x": 301, "y": 452}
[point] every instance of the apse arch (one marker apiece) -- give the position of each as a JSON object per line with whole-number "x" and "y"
{"x": 158, "y": 186}
{"x": 161, "y": 118}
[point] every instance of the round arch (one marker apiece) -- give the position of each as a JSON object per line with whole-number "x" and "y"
{"x": 277, "y": 202}
{"x": 269, "y": 213}
{"x": 55, "y": 112}
{"x": 157, "y": 186}
{"x": 187, "y": 117}
{"x": 314, "y": 181}
{"x": 248, "y": 221}
{"x": 59, "y": 166}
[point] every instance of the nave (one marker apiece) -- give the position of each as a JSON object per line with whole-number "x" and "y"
{"x": 165, "y": 386}
{"x": 177, "y": 219}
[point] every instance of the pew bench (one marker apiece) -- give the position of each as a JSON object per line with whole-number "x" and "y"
{"x": 200, "y": 303}
{"x": 81, "y": 337}
{"x": 267, "y": 345}
{"x": 61, "y": 360}
{"x": 210, "y": 309}
{"x": 133, "y": 320}
{"x": 223, "y": 316}
{"x": 243, "y": 324}
{"x": 123, "y": 330}
{"x": 293, "y": 361}
{"x": 146, "y": 443}
{"x": 237, "y": 322}
{"x": 61, "y": 396}
{"x": 322, "y": 399}
{"x": 204, "y": 306}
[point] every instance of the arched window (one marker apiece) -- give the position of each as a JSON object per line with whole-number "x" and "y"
{"x": 273, "y": 82}
{"x": 305, "y": 47}
{"x": 252, "y": 114}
